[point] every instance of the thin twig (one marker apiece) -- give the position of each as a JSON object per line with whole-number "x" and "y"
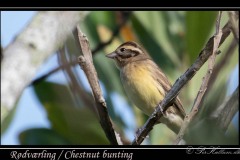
{"x": 77, "y": 91}
{"x": 172, "y": 94}
{"x": 203, "y": 88}
{"x": 229, "y": 109}
{"x": 85, "y": 62}
{"x": 58, "y": 68}
{"x": 221, "y": 64}
{"x": 234, "y": 18}
{"x": 99, "y": 47}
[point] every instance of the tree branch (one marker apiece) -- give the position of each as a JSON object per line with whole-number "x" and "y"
{"x": 172, "y": 94}
{"x": 43, "y": 36}
{"x": 234, "y": 19}
{"x": 222, "y": 63}
{"x": 227, "y": 110}
{"x": 85, "y": 62}
{"x": 203, "y": 88}
{"x": 77, "y": 91}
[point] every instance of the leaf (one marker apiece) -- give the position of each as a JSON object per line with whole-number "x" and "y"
{"x": 199, "y": 25}
{"x": 205, "y": 132}
{"x": 95, "y": 19}
{"x": 76, "y": 123}
{"x": 158, "y": 26}
{"x": 106, "y": 18}
{"x": 175, "y": 30}
{"x": 152, "y": 46}
{"x": 41, "y": 136}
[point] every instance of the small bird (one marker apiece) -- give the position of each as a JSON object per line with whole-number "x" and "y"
{"x": 145, "y": 84}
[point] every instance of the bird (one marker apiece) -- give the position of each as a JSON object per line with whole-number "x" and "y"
{"x": 145, "y": 83}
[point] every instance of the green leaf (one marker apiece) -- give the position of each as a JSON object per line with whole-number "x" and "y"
{"x": 205, "y": 132}
{"x": 199, "y": 25}
{"x": 41, "y": 136}
{"x": 78, "y": 124}
{"x": 152, "y": 46}
{"x": 93, "y": 20}
{"x": 159, "y": 27}
{"x": 175, "y": 30}
{"x": 106, "y": 18}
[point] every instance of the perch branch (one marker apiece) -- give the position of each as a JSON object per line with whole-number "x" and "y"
{"x": 85, "y": 62}
{"x": 172, "y": 94}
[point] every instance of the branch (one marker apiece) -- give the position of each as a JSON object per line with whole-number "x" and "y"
{"x": 222, "y": 63}
{"x": 77, "y": 91}
{"x": 85, "y": 62}
{"x": 234, "y": 18}
{"x": 227, "y": 110}
{"x": 99, "y": 47}
{"x": 43, "y": 36}
{"x": 172, "y": 94}
{"x": 203, "y": 88}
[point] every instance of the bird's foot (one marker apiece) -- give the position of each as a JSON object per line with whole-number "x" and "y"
{"x": 161, "y": 109}
{"x": 138, "y": 132}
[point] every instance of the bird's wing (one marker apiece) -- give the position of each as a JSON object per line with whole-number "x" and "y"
{"x": 166, "y": 85}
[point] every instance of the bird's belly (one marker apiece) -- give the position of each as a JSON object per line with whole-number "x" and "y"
{"x": 142, "y": 89}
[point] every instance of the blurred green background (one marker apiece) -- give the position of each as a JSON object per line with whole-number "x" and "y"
{"x": 173, "y": 39}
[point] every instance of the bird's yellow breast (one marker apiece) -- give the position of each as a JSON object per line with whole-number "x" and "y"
{"x": 141, "y": 87}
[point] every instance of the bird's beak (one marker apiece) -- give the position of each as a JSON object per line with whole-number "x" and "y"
{"x": 112, "y": 55}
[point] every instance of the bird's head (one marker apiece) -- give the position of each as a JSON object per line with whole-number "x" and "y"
{"x": 128, "y": 52}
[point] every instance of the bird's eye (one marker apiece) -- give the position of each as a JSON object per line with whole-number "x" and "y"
{"x": 122, "y": 49}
